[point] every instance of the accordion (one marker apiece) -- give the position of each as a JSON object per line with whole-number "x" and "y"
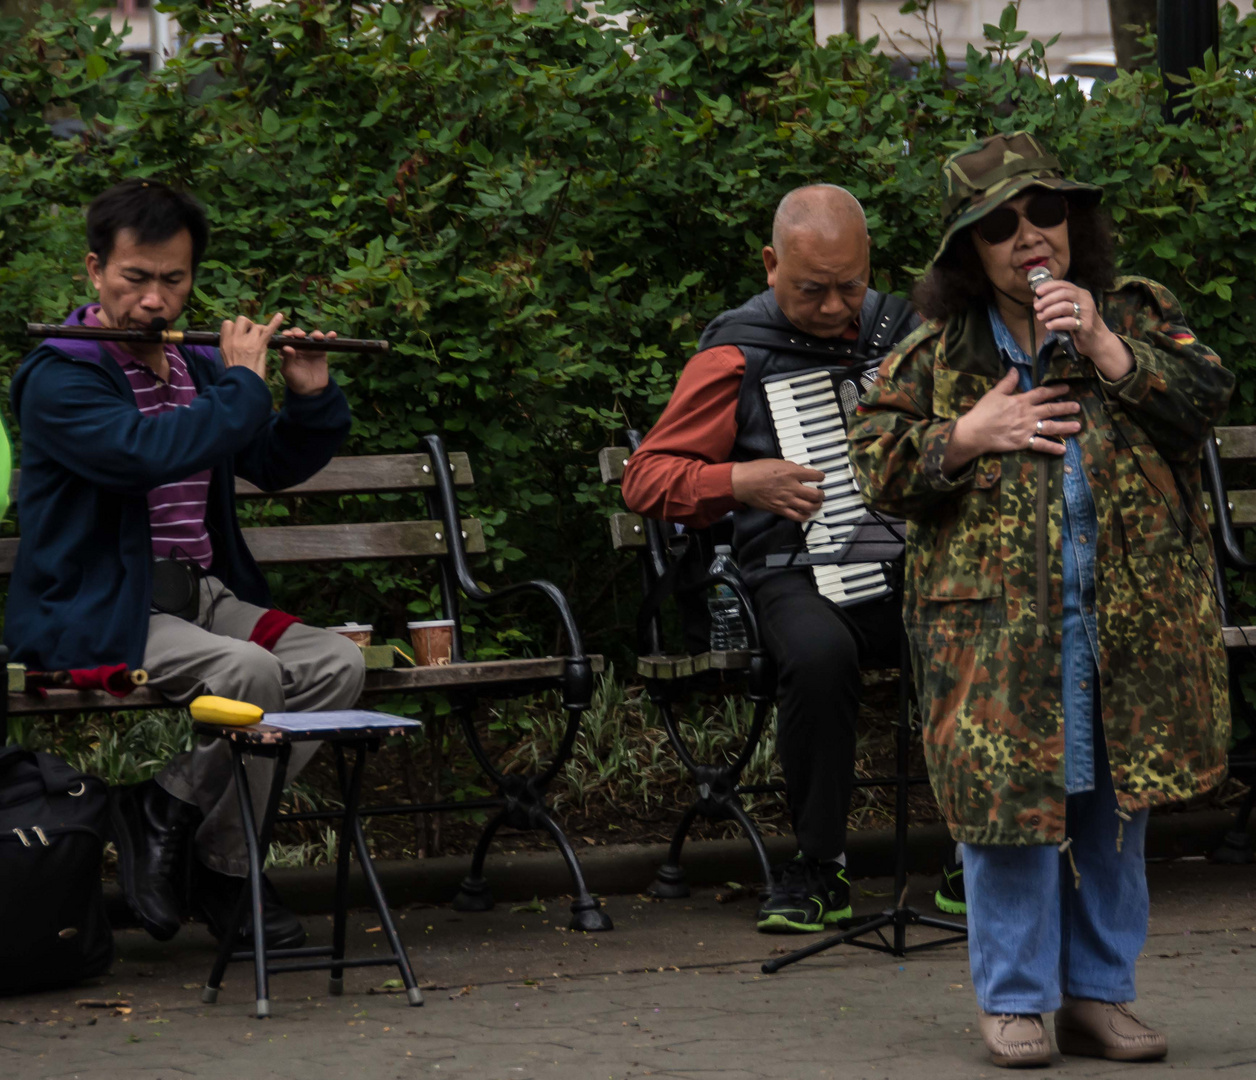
{"x": 845, "y": 546}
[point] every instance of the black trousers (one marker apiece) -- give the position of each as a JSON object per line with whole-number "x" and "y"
{"x": 819, "y": 648}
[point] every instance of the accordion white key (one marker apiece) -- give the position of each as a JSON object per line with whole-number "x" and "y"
{"x": 809, "y": 411}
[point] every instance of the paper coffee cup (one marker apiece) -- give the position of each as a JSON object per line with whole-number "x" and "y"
{"x": 433, "y": 641}
{"x": 358, "y": 633}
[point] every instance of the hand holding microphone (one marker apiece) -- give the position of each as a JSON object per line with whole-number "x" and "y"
{"x": 1061, "y": 307}
{"x": 1070, "y": 312}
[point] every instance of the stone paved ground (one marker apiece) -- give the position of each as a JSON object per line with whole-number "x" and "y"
{"x": 674, "y": 991}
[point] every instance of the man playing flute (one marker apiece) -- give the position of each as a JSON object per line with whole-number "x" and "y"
{"x": 131, "y": 550}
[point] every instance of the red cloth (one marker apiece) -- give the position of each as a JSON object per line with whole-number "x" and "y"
{"x": 112, "y": 678}
{"x": 270, "y": 628}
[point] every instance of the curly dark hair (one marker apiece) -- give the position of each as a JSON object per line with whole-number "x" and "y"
{"x": 958, "y": 279}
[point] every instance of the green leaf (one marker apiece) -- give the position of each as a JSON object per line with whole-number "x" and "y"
{"x": 270, "y": 121}
{"x": 96, "y": 66}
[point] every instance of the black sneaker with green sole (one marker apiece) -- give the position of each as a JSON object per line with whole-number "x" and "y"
{"x": 806, "y": 896}
{"x": 950, "y": 896}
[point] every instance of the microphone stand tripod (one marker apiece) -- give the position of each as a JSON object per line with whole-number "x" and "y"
{"x": 894, "y": 920}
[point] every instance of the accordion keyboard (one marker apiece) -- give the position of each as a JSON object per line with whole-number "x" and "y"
{"x": 810, "y": 428}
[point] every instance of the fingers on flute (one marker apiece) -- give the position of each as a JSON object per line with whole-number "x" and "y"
{"x": 273, "y": 325}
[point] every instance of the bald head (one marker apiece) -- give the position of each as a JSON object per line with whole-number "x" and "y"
{"x": 825, "y": 211}
{"x": 818, "y": 265}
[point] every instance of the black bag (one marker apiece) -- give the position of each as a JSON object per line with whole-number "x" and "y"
{"x": 53, "y": 822}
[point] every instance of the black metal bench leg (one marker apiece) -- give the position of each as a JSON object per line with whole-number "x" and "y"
{"x": 718, "y": 799}
{"x": 669, "y": 883}
{"x": 756, "y": 841}
{"x": 586, "y": 913}
{"x": 1236, "y": 847}
{"x": 474, "y": 893}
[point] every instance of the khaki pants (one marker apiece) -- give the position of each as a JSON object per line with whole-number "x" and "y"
{"x": 309, "y": 669}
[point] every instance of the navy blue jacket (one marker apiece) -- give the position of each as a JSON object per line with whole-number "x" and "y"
{"x": 82, "y": 584}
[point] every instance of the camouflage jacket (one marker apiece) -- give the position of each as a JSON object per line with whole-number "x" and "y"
{"x": 983, "y": 593}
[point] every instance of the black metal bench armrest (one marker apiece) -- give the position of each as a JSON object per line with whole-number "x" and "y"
{"x": 578, "y": 682}
{"x": 762, "y": 673}
{"x": 1231, "y": 546}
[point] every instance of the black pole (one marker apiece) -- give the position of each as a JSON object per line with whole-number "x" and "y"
{"x": 1187, "y": 30}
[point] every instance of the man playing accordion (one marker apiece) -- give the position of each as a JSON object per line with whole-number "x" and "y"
{"x": 715, "y": 450}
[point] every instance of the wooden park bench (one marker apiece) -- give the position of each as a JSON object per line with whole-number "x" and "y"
{"x": 519, "y": 800}
{"x": 1228, "y": 466}
{"x": 671, "y": 675}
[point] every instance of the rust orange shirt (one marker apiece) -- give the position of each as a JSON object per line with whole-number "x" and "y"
{"x": 681, "y": 471}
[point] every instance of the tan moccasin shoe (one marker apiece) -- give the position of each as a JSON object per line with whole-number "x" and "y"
{"x": 1015, "y": 1040}
{"x": 1106, "y": 1029}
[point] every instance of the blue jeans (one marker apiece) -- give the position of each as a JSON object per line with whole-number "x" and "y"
{"x": 1033, "y": 936}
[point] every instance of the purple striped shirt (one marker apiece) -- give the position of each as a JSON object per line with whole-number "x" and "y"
{"x": 176, "y": 512}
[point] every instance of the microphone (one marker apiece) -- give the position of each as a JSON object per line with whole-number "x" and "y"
{"x": 1039, "y": 276}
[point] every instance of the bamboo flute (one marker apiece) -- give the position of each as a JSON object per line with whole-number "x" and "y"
{"x": 198, "y": 337}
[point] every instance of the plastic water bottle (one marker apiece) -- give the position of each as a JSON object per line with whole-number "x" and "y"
{"x": 727, "y": 629}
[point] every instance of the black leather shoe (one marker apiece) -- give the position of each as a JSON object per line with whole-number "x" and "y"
{"x": 214, "y": 896}
{"x": 152, "y": 831}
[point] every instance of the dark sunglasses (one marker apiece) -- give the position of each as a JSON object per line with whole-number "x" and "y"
{"x": 1046, "y": 210}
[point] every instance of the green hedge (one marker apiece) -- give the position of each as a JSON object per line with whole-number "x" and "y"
{"x": 543, "y": 209}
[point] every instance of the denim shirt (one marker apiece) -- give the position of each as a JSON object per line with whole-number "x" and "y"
{"x": 1080, "y": 648}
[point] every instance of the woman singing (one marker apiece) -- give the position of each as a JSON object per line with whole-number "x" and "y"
{"x": 1065, "y": 638}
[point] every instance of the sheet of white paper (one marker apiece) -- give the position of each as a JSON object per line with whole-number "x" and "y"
{"x": 338, "y": 720}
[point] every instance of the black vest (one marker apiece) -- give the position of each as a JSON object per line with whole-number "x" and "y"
{"x": 772, "y": 345}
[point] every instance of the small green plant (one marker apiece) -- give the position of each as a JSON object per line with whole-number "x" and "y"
{"x": 320, "y": 852}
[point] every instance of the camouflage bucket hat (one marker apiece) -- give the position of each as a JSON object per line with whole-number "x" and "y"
{"x": 989, "y": 173}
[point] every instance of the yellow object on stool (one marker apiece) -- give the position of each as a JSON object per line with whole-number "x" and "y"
{"x": 220, "y": 710}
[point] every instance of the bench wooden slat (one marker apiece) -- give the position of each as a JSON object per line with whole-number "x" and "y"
{"x": 1242, "y": 508}
{"x": 321, "y": 543}
{"x": 1237, "y": 443}
{"x": 395, "y": 680}
{"x": 357, "y": 476}
{"x": 452, "y": 676}
{"x": 627, "y": 531}
{"x": 681, "y": 666}
{"x": 366, "y": 540}
{"x": 1239, "y": 637}
{"x": 69, "y": 701}
{"x": 611, "y": 460}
